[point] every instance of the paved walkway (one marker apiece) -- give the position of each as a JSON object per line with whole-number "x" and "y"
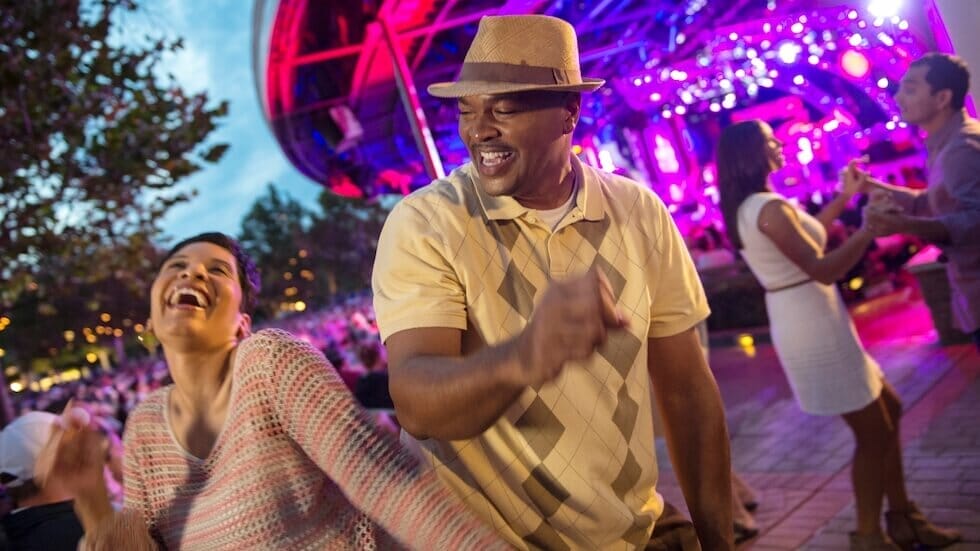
{"x": 800, "y": 464}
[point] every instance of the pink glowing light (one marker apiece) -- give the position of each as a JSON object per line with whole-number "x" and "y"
{"x": 786, "y": 107}
{"x": 666, "y": 155}
{"x": 805, "y": 153}
{"x": 709, "y": 174}
{"x": 855, "y": 64}
{"x": 712, "y": 194}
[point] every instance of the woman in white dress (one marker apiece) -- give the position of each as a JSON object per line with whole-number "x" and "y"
{"x": 828, "y": 369}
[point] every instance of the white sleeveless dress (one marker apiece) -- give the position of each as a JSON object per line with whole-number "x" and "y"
{"x": 812, "y": 332}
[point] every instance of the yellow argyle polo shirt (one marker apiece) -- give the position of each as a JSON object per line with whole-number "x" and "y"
{"x": 570, "y": 465}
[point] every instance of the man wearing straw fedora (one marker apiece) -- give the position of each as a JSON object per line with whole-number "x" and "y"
{"x": 529, "y": 303}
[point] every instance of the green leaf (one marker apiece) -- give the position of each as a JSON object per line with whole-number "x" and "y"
{"x": 214, "y": 154}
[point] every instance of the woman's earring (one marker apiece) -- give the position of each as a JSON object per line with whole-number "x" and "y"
{"x": 149, "y": 341}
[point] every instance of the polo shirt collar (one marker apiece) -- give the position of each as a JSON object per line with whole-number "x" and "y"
{"x": 588, "y": 196}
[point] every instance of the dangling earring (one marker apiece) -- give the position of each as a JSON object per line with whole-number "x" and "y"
{"x": 149, "y": 341}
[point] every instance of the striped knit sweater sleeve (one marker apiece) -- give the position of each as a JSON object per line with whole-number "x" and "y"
{"x": 376, "y": 474}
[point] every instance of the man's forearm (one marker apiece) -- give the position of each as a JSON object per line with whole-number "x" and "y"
{"x": 908, "y": 199}
{"x": 930, "y": 229}
{"x": 452, "y": 398}
{"x": 697, "y": 439}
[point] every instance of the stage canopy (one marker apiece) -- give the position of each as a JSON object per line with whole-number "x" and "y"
{"x": 342, "y": 84}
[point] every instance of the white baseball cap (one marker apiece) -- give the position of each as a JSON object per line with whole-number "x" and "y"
{"x": 20, "y": 444}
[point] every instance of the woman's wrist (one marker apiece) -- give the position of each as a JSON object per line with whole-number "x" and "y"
{"x": 846, "y": 195}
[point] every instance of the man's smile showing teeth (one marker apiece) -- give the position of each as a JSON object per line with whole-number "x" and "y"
{"x": 187, "y": 296}
{"x": 494, "y": 158}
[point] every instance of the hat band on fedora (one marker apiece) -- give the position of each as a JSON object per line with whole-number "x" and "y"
{"x": 524, "y": 74}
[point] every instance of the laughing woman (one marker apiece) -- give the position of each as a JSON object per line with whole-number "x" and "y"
{"x": 828, "y": 369}
{"x": 257, "y": 444}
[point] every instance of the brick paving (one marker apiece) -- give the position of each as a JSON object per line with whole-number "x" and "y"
{"x": 800, "y": 464}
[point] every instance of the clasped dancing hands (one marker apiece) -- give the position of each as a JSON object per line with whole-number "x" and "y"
{"x": 853, "y": 179}
{"x": 882, "y": 215}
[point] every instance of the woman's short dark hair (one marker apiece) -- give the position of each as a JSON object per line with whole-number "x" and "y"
{"x": 946, "y": 72}
{"x": 248, "y": 274}
{"x": 743, "y": 169}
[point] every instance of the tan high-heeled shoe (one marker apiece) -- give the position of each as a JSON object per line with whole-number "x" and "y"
{"x": 872, "y": 542}
{"x": 745, "y": 525}
{"x": 745, "y": 493}
{"x": 910, "y": 527}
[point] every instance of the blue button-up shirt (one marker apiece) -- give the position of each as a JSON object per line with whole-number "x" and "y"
{"x": 953, "y": 198}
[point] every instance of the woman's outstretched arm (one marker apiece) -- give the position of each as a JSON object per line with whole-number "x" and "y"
{"x": 374, "y": 471}
{"x": 781, "y": 224}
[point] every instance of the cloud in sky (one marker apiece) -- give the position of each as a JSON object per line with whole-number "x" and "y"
{"x": 217, "y": 57}
{"x": 191, "y": 67}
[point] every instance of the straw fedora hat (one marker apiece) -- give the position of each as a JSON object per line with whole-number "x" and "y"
{"x": 519, "y": 53}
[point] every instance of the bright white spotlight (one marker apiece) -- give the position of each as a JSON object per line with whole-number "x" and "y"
{"x": 884, "y": 8}
{"x": 788, "y": 51}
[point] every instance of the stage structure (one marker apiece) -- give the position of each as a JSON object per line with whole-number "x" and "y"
{"x": 342, "y": 85}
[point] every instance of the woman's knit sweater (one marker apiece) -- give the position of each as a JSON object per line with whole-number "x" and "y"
{"x": 297, "y": 465}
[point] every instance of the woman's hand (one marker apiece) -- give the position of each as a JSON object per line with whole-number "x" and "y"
{"x": 75, "y": 453}
{"x": 854, "y": 180}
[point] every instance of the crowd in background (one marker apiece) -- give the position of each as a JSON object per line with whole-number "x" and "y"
{"x": 347, "y": 332}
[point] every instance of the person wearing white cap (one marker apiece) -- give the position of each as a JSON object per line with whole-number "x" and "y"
{"x": 528, "y": 301}
{"x": 43, "y": 515}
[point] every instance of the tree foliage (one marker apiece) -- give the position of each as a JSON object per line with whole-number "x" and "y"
{"x": 93, "y": 142}
{"x": 311, "y": 256}
{"x": 347, "y": 232}
{"x": 275, "y": 232}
